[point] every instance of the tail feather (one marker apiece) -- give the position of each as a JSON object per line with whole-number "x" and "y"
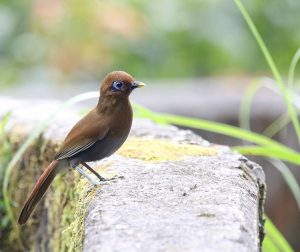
{"x": 38, "y": 191}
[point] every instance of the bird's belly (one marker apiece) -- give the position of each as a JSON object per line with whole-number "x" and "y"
{"x": 100, "y": 150}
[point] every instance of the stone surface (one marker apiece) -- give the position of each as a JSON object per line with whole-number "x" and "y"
{"x": 200, "y": 203}
{"x": 207, "y": 199}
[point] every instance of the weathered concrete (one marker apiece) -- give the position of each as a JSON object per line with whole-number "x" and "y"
{"x": 174, "y": 192}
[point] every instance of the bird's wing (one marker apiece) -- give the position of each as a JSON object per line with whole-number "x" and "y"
{"x": 83, "y": 135}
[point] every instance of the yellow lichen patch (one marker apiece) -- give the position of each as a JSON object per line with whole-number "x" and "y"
{"x": 159, "y": 150}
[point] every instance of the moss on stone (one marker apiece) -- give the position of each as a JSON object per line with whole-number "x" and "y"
{"x": 159, "y": 150}
{"x": 60, "y": 224}
{"x": 66, "y": 210}
{"x": 67, "y": 206}
{"x": 61, "y": 217}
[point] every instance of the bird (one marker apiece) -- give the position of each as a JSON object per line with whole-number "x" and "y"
{"x": 96, "y": 136}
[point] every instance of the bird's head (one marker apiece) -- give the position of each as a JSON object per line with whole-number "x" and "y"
{"x": 119, "y": 83}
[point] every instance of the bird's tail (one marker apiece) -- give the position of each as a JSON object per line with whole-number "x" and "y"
{"x": 38, "y": 191}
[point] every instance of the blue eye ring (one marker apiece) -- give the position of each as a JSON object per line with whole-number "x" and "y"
{"x": 117, "y": 85}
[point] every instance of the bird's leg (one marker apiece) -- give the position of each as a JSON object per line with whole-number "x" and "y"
{"x": 96, "y": 173}
{"x": 86, "y": 175}
{"x": 93, "y": 171}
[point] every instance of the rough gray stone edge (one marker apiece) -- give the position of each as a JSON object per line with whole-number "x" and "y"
{"x": 255, "y": 171}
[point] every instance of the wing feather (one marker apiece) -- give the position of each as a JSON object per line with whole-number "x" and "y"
{"x": 83, "y": 135}
{"x": 73, "y": 151}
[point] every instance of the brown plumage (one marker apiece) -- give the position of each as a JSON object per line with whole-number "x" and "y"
{"x": 96, "y": 136}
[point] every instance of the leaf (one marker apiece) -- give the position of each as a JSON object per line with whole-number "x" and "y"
{"x": 274, "y": 240}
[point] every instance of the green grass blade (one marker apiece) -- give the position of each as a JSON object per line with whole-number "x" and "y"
{"x": 274, "y": 239}
{"x": 269, "y": 246}
{"x": 270, "y": 152}
{"x": 277, "y": 125}
{"x": 142, "y": 112}
{"x": 273, "y": 68}
{"x": 288, "y": 177}
{"x": 38, "y": 130}
{"x": 270, "y": 148}
{"x": 292, "y": 68}
{"x": 4, "y": 147}
{"x": 245, "y": 108}
{"x": 224, "y": 129}
{"x": 3, "y": 123}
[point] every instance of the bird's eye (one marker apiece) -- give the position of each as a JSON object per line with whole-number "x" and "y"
{"x": 117, "y": 86}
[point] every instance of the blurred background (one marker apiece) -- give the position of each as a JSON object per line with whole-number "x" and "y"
{"x": 197, "y": 57}
{"x": 55, "y": 42}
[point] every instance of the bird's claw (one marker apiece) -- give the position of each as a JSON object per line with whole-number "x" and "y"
{"x": 113, "y": 178}
{"x": 103, "y": 181}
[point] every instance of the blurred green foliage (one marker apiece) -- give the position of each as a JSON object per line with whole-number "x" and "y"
{"x": 5, "y": 156}
{"x": 67, "y": 40}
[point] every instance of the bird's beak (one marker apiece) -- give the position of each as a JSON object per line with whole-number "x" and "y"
{"x": 138, "y": 84}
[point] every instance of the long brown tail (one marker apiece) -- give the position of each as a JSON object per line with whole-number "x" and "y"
{"x": 38, "y": 191}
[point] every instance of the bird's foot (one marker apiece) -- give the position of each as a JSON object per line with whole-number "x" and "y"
{"x": 102, "y": 181}
{"x": 113, "y": 178}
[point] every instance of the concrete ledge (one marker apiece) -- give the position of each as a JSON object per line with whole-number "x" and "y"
{"x": 174, "y": 191}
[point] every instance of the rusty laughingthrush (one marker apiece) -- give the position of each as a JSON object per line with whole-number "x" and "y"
{"x": 96, "y": 136}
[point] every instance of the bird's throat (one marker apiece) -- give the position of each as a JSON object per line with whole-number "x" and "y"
{"x": 111, "y": 104}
